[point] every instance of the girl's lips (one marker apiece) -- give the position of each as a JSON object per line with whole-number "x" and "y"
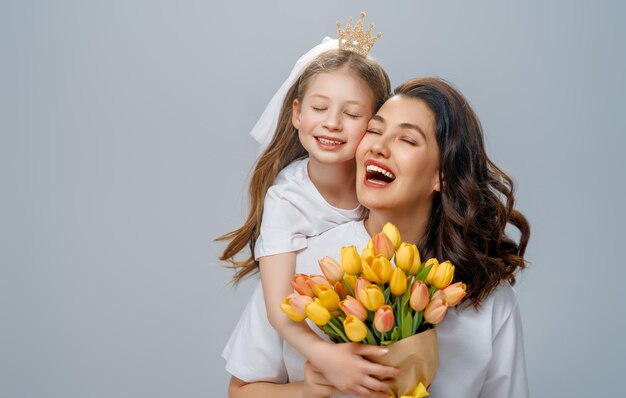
{"x": 329, "y": 142}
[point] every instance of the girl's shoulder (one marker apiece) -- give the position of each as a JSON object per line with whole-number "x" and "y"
{"x": 294, "y": 172}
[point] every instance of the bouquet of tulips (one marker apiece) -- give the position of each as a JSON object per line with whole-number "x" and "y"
{"x": 368, "y": 299}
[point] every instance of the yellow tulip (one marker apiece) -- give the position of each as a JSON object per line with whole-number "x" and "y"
{"x": 368, "y": 253}
{"x": 350, "y": 260}
{"x": 397, "y": 284}
{"x": 371, "y": 297}
{"x": 379, "y": 271}
{"x": 317, "y": 313}
{"x": 328, "y": 297}
{"x": 393, "y": 233}
{"x": 441, "y": 275}
{"x": 293, "y": 306}
{"x": 404, "y": 257}
{"x": 417, "y": 261}
{"x": 350, "y": 280}
{"x": 355, "y": 329}
{"x": 418, "y": 392}
{"x": 383, "y": 245}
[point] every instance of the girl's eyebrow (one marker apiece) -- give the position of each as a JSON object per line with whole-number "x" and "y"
{"x": 355, "y": 102}
{"x": 405, "y": 125}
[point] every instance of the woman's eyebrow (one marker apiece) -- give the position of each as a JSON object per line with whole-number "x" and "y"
{"x": 413, "y": 127}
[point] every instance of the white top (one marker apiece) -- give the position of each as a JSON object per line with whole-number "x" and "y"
{"x": 293, "y": 210}
{"x": 481, "y": 352}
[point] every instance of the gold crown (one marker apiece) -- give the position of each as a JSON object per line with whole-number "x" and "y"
{"x": 356, "y": 40}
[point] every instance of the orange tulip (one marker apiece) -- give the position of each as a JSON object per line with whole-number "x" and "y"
{"x": 352, "y": 306}
{"x": 315, "y": 280}
{"x": 452, "y": 294}
{"x": 383, "y": 245}
{"x": 341, "y": 290}
{"x": 419, "y": 296}
{"x": 435, "y": 311}
{"x": 300, "y": 285}
{"x": 331, "y": 269}
{"x": 384, "y": 319}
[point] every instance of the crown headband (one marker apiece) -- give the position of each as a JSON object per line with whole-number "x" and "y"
{"x": 355, "y": 40}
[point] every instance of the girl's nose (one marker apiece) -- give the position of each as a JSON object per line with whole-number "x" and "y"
{"x": 332, "y": 121}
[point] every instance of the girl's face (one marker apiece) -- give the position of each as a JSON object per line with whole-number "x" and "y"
{"x": 333, "y": 115}
{"x": 398, "y": 158}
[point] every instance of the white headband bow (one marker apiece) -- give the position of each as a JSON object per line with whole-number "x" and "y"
{"x": 263, "y": 130}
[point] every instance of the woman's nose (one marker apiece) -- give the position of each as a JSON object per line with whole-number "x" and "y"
{"x": 380, "y": 147}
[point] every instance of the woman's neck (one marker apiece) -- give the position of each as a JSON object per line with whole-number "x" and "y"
{"x": 412, "y": 225}
{"x": 335, "y": 182}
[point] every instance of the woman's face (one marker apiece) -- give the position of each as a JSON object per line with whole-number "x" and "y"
{"x": 398, "y": 158}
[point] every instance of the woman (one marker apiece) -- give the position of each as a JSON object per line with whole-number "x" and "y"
{"x": 422, "y": 166}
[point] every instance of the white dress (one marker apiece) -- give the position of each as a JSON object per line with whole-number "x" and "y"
{"x": 294, "y": 210}
{"x": 481, "y": 351}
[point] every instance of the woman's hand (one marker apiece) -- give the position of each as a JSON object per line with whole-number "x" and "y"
{"x": 315, "y": 384}
{"x": 344, "y": 368}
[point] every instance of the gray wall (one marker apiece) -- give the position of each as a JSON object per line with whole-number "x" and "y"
{"x": 124, "y": 150}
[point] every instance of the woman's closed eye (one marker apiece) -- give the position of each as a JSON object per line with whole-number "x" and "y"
{"x": 409, "y": 141}
{"x": 371, "y": 131}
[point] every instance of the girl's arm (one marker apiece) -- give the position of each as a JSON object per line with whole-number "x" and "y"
{"x": 342, "y": 365}
{"x": 314, "y": 385}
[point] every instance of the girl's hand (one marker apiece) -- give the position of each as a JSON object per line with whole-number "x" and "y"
{"x": 344, "y": 367}
{"x": 315, "y": 384}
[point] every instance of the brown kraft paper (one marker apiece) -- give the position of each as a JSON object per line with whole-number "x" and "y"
{"x": 417, "y": 357}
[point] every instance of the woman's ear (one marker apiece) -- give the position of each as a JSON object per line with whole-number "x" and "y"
{"x": 440, "y": 182}
{"x": 295, "y": 113}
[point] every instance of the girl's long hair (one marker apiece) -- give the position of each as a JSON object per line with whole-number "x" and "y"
{"x": 285, "y": 147}
{"x": 476, "y": 202}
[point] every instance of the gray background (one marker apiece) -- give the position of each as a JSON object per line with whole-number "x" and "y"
{"x": 125, "y": 150}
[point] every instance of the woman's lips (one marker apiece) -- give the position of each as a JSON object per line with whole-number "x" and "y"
{"x": 377, "y": 174}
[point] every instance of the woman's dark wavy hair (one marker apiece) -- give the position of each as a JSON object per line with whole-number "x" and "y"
{"x": 470, "y": 214}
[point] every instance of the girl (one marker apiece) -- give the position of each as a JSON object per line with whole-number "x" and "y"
{"x": 304, "y": 184}
{"x": 444, "y": 194}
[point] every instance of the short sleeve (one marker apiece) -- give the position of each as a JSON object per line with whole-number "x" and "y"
{"x": 506, "y": 373}
{"x": 285, "y": 225}
{"x": 254, "y": 350}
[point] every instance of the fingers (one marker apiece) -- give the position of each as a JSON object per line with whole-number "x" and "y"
{"x": 381, "y": 371}
{"x": 372, "y": 350}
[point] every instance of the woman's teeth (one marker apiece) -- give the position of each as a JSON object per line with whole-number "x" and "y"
{"x": 375, "y": 169}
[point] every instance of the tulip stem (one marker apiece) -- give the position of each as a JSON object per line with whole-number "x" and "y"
{"x": 337, "y": 330}
{"x": 347, "y": 285}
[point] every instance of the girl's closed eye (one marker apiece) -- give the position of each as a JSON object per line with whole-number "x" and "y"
{"x": 318, "y": 108}
{"x": 353, "y": 115}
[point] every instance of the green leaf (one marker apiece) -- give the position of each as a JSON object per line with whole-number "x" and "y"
{"x": 423, "y": 273}
{"x": 347, "y": 285}
{"x": 395, "y": 334}
{"x": 370, "y": 339}
{"x": 407, "y": 325}
{"x": 417, "y": 319}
